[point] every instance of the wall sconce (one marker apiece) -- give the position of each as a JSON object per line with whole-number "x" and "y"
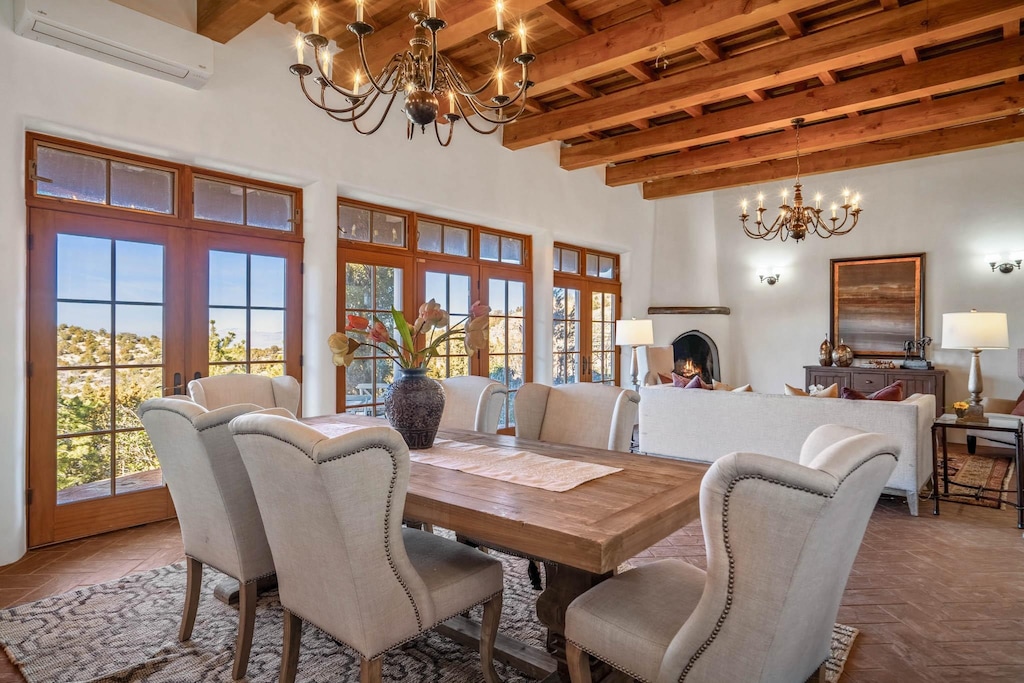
{"x": 770, "y": 277}
{"x": 1005, "y": 267}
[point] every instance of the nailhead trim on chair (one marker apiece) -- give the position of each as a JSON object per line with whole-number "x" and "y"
{"x": 728, "y": 548}
{"x": 387, "y": 512}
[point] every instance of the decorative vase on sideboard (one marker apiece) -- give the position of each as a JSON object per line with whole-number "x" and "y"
{"x": 413, "y": 405}
{"x": 842, "y": 355}
{"x": 825, "y": 352}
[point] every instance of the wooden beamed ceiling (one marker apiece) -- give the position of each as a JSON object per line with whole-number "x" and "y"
{"x": 685, "y": 96}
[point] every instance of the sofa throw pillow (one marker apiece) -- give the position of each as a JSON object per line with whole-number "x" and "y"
{"x": 665, "y": 379}
{"x": 722, "y": 386}
{"x": 693, "y": 383}
{"x": 893, "y": 392}
{"x": 1018, "y": 409}
{"x": 831, "y": 391}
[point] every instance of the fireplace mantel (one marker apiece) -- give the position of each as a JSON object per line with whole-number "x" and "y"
{"x": 688, "y": 310}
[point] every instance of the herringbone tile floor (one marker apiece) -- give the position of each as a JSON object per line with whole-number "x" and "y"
{"x": 936, "y": 598}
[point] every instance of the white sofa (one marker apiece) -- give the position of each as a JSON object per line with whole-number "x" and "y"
{"x": 705, "y": 425}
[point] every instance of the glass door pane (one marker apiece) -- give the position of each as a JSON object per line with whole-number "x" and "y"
{"x": 603, "y": 312}
{"x": 566, "y": 335}
{"x": 110, "y": 339}
{"x": 371, "y": 291}
{"x": 247, "y": 316}
{"x": 454, "y": 288}
{"x": 506, "y": 356}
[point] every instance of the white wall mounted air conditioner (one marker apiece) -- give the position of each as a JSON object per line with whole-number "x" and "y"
{"x": 117, "y": 35}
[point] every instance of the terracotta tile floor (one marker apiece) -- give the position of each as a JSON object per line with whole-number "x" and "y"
{"x": 936, "y": 598}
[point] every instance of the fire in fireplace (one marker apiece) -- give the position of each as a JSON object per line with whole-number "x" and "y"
{"x": 696, "y": 353}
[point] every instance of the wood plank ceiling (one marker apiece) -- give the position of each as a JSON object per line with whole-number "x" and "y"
{"x": 685, "y": 96}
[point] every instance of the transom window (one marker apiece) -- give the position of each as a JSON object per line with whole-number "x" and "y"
{"x": 359, "y": 224}
{"x": 238, "y": 204}
{"x": 73, "y": 175}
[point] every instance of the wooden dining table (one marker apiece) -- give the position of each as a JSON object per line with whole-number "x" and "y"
{"x": 581, "y": 535}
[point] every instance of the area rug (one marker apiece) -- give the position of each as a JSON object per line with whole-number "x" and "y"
{"x": 125, "y": 631}
{"x": 969, "y": 472}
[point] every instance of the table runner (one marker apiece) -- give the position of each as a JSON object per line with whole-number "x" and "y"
{"x": 511, "y": 465}
{"x": 504, "y": 464}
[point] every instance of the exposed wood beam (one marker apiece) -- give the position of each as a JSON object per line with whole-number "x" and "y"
{"x": 641, "y": 72}
{"x": 791, "y": 25}
{"x": 222, "y": 20}
{"x": 642, "y": 124}
{"x": 564, "y": 17}
{"x": 1011, "y": 30}
{"x": 890, "y": 4}
{"x": 681, "y": 25}
{"x": 465, "y": 18}
{"x": 828, "y": 78}
{"x": 945, "y": 141}
{"x": 695, "y": 111}
{"x": 958, "y": 71}
{"x": 757, "y": 95}
{"x": 709, "y": 50}
{"x": 862, "y": 41}
{"x": 583, "y": 90}
{"x": 535, "y": 107}
{"x": 956, "y": 110}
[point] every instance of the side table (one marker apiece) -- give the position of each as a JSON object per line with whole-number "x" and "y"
{"x": 1006, "y": 424}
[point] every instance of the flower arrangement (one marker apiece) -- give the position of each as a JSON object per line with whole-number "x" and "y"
{"x": 961, "y": 405}
{"x": 403, "y": 349}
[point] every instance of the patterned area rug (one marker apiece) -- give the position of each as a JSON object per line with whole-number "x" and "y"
{"x": 126, "y": 631}
{"x": 967, "y": 473}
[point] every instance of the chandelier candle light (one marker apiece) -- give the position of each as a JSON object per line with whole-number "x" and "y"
{"x": 797, "y": 221}
{"x": 422, "y": 74}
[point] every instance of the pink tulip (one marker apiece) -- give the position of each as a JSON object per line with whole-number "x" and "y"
{"x": 478, "y": 310}
{"x": 379, "y": 333}
{"x": 433, "y": 314}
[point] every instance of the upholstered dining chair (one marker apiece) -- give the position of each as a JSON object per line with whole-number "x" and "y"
{"x": 781, "y": 538}
{"x": 333, "y": 513}
{"x": 473, "y": 403}
{"x": 585, "y": 414}
{"x": 267, "y": 392}
{"x": 220, "y": 522}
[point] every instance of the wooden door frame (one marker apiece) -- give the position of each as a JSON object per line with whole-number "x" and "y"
{"x": 49, "y": 522}
{"x": 586, "y": 287}
{"x": 450, "y": 266}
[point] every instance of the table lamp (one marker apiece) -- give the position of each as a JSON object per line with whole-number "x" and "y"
{"x": 634, "y": 333}
{"x": 977, "y": 332}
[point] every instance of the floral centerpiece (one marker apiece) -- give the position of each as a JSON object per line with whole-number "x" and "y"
{"x": 413, "y": 403}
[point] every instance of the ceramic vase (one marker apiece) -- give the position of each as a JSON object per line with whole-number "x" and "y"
{"x": 843, "y": 355}
{"x": 413, "y": 405}
{"x": 825, "y": 352}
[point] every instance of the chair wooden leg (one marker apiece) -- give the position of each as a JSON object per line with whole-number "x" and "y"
{"x": 579, "y": 663}
{"x": 488, "y": 633}
{"x": 290, "y": 651}
{"x": 247, "y": 597}
{"x": 193, "y": 584}
{"x": 370, "y": 670}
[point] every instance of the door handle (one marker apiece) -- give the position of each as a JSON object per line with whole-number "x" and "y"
{"x": 176, "y": 389}
{"x": 198, "y": 375}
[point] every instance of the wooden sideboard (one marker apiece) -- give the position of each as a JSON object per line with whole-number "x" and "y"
{"x": 868, "y": 380}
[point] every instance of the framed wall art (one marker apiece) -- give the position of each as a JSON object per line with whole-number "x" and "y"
{"x": 878, "y": 303}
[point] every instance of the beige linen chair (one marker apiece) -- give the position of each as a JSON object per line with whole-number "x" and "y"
{"x": 472, "y": 403}
{"x": 998, "y": 406}
{"x": 781, "y": 538}
{"x": 653, "y": 361}
{"x": 590, "y": 415}
{"x": 266, "y": 392}
{"x": 333, "y": 514}
{"x": 220, "y": 523}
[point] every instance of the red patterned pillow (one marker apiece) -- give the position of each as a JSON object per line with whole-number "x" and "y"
{"x": 893, "y": 392}
{"x": 694, "y": 383}
{"x": 665, "y": 379}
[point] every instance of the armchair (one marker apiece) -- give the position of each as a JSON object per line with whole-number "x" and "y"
{"x": 265, "y": 392}
{"x": 353, "y": 570}
{"x": 764, "y": 610}
{"x": 472, "y": 403}
{"x": 592, "y": 415}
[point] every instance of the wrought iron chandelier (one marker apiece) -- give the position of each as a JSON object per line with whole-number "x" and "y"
{"x": 798, "y": 221}
{"x": 422, "y": 74}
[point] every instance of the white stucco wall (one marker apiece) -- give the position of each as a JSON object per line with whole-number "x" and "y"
{"x": 251, "y": 119}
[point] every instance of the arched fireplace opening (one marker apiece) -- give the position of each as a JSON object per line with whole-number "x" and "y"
{"x": 696, "y": 353}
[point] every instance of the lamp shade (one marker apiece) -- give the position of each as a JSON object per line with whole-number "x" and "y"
{"x": 634, "y": 332}
{"x": 975, "y": 330}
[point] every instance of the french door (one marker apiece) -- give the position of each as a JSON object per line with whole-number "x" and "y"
{"x": 121, "y": 311}
{"x": 584, "y": 331}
